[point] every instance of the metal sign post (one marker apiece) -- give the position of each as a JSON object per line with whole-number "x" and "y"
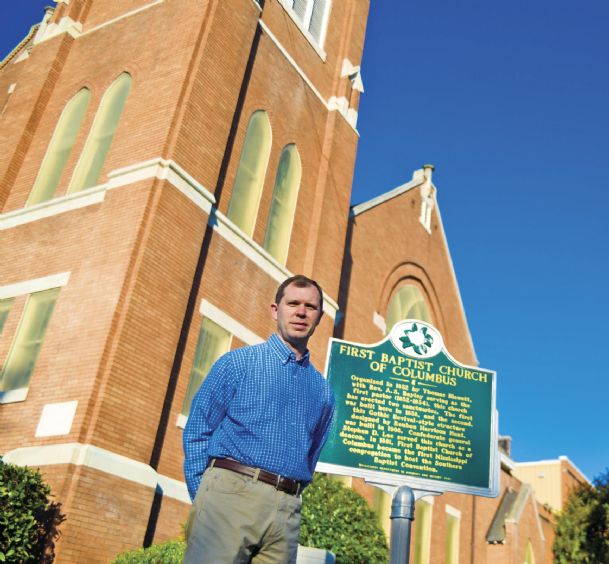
{"x": 403, "y": 499}
{"x": 402, "y": 516}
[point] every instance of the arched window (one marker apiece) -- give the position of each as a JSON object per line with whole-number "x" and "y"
{"x": 98, "y": 143}
{"x": 453, "y": 525}
{"x": 60, "y": 148}
{"x": 247, "y": 189}
{"x": 422, "y": 531}
{"x": 407, "y": 303}
{"x": 285, "y": 194}
{"x": 529, "y": 557}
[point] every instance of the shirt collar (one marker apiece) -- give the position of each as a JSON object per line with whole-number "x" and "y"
{"x": 285, "y": 353}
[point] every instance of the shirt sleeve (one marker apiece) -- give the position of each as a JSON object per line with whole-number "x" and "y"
{"x": 207, "y": 411}
{"x": 322, "y": 430}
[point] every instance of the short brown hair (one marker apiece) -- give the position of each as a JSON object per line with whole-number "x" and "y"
{"x": 300, "y": 281}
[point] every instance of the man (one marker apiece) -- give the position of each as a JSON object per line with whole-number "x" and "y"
{"x": 253, "y": 437}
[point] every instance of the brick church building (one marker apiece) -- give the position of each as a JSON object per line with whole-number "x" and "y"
{"x": 164, "y": 165}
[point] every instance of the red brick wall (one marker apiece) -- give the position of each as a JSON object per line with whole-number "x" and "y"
{"x": 103, "y": 12}
{"x": 104, "y": 514}
{"x": 389, "y": 246}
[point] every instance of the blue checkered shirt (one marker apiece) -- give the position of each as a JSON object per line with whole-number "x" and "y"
{"x": 261, "y": 407}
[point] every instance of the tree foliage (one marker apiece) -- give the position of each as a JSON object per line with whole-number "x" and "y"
{"x": 582, "y": 528}
{"x": 28, "y": 521}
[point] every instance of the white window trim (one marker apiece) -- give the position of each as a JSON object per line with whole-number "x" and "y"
{"x": 317, "y": 46}
{"x": 307, "y": 17}
{"x": 24, "y": 288}
{"x": 324, "y": 27}
{"x": 244, "y": 243}
{"x": 34, "y": 285}
{"x": 229, "y": 324}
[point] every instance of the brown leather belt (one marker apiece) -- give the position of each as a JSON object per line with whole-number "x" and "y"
{"x": 280, "y": 483}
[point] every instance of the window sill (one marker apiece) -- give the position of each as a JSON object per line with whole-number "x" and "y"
{"x": 13, "y": 396}
{"x": 53, "y": 207}
{"x": 154, "y": 168}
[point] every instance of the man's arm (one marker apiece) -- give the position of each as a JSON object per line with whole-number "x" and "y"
{"x": 207, "y": 411}
{"x": 322, "y": 430}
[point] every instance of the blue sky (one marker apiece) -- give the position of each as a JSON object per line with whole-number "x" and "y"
{"x": 510, "y": 101}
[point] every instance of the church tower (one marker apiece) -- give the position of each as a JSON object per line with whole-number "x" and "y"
{"x": 164, "y": 165}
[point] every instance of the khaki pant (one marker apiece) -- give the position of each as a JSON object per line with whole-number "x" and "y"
{"x": 236, "y": 519}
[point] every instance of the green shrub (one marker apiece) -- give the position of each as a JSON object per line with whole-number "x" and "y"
{"x": 171, "y": 552}
{"x": 28, "y": 521}
{"x": 338, "y": 519}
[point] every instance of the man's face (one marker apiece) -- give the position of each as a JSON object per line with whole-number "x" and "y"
{"x": 297, "y": 314}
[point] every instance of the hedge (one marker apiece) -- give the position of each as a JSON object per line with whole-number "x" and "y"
{"x": 171, "y": 552}
{"x": 339, "y": 519}
{"x": 28, "y": 520}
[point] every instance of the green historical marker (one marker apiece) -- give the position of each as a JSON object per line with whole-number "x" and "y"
{"x": 408, "y": 414}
